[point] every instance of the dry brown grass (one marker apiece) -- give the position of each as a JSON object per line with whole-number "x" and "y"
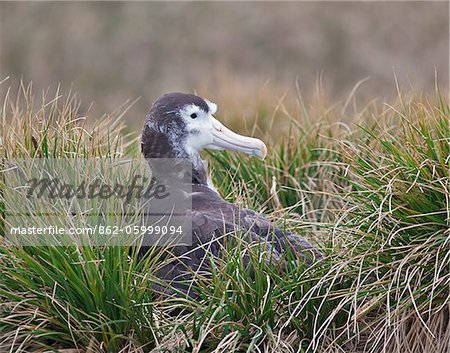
{"x": 382, "y": 287}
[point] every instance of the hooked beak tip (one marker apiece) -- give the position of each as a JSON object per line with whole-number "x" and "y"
{"x": 262, "y": 153}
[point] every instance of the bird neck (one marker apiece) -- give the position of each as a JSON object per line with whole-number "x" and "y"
{"x": 199, "y": 171}
{"x": 157, "y": 145}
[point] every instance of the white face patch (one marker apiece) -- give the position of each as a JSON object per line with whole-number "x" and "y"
{"x": 198, "y": 127}
{"x": 187, "y": 110}
{"x": 203, "y": 130}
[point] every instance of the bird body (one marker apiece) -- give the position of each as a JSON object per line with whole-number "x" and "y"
{"x": 180, "y": 125}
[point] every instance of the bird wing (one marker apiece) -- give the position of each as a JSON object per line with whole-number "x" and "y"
{"x": 214, "y": 222}
{"x": 213, "y": 211}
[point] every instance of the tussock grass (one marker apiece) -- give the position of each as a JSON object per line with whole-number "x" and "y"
{"x": 50, "y": 126}
{"x": 74, "y": 297}
{"x": 374, "y": 195}
{"x": 398, "y": 220}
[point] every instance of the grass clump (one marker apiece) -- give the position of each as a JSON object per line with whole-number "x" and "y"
{"x": 374, "y": 195}
{"x": 398, "y": 224}
{"x": 53, "y": 297}
{"x": 74, "y": 297}
{"x": 53, "y": 127}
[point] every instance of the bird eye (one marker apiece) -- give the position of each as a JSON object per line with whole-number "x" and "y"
{"x": 193, "y": 115}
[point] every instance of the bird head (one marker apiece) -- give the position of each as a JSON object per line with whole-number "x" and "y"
{"x": 180, "y": 125}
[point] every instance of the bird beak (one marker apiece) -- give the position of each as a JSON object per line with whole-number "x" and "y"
{"x": 224, "y": 138}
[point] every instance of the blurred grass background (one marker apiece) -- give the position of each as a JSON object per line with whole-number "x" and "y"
{"x": 235, "y": 53}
